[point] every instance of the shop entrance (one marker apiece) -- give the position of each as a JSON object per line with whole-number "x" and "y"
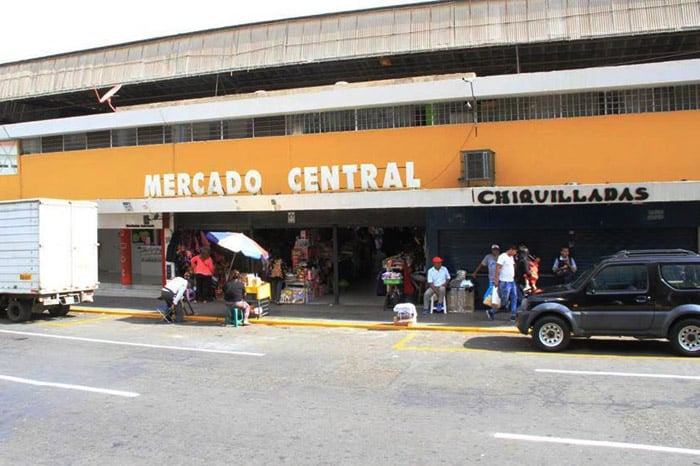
{"x": 363, "y": 255}
{"x": 310, "y": 242}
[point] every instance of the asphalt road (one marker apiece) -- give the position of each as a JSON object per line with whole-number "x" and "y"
{"x": 135, "y": 391}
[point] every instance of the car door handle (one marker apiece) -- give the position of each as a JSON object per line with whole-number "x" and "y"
{"x": 641, "y": 299}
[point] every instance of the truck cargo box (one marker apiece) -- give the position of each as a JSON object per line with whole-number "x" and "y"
{"x": 48, "y": 250}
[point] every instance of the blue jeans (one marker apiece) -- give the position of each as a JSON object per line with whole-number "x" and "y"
{"x": 508, "y": 293}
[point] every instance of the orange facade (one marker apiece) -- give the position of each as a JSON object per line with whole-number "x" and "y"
{"x": 614, "y": 149}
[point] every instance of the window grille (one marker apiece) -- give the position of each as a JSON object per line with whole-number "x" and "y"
{"x": 150, "y": 135}
{"x": 99, "y": 139}
{"x": 585, "y": 104}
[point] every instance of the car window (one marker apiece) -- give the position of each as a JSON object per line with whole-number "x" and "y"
{"x": 624, "y": 277}
{"x": 681, "y": 276}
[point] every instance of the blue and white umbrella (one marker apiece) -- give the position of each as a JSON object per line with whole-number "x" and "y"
{"x": 238, "y": 242}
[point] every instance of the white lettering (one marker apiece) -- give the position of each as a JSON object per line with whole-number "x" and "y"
{"x": 310, "y": 179}
{"x": 392, "y": 177}
{"x": 349, "y": 171}
{"x": 368, "y": 176}
{"x": 197, "y": 181}
{"x": 183, "y": 184}
{"x": 253, "y": 181}
{"x": 169, "y": 184}
{"x": 330, "y": 178}
{"x": 293, "y": 179}
{"x": 233, "y": 182}
{"x": 411, "y": 181}
{"x": 215, "y": 184}
{"x": 152, "y": 186}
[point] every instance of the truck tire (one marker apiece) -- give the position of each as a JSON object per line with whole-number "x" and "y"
{"x": 685, "y": 337}
{"x": 551, "y": 333}
{"x": 59, "y": 311}
{"x": 19, "y": 311}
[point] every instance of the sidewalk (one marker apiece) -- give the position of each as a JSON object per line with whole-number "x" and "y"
{"x": 368, "y": 315}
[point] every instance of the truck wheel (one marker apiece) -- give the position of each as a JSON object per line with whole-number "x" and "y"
{"x": 18, "y": 311}
{"x": 59, "y": 311}
{"x": 551, "y": 334}
{"x": 685, "y": 337}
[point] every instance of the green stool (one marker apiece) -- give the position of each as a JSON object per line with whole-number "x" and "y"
{"x": 234, "y": 315}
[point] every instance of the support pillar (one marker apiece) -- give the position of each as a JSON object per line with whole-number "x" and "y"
{"x": 125, "y": 256}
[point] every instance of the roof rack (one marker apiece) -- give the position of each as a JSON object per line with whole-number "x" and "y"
{"x": 654, "y": 252}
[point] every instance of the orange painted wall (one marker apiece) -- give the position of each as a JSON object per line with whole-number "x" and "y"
{"x": 616, "y": 149}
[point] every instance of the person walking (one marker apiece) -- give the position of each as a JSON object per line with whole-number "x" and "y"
{"x": 203, "y": 268}
{"x": 489, "y": 263}
{"x": 564, "y": 267}
{"x": 505, "y": 281}
{"x": 437, "y": 280}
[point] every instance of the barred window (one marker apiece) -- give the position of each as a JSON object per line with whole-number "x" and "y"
{"x": 124, "y": 137}
{"x": 99, "y": 139}
{"x": 31, "y": 146}
{"x": 51, "y": 144}
{"x": 150, "y": 135}
{"x": 206, "y": 131}
{"x": 269, "y": 126}
{"x": 238, "y": 129}
{"x": 75, "y": 142}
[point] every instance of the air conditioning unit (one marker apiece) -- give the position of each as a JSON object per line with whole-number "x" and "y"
{"x": 478, "y": 167}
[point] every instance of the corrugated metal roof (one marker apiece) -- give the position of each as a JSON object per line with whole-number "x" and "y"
{"x": 388, "y": 31}
{"x": 367, "y": 95}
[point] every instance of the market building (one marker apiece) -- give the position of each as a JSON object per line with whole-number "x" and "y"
{"x": 442, "y": 127}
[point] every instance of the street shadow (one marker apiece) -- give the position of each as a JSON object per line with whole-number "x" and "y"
{"x": 598, "y": 346}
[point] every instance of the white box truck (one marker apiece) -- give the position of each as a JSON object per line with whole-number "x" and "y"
{"x": 48, "y": 256}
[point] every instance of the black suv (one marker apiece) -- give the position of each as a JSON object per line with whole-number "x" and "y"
{"x": 652, "y": 293}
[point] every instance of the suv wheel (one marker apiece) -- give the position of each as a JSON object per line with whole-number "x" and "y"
{"x": 551, "y": 334}
{"x": 685, "y": 337}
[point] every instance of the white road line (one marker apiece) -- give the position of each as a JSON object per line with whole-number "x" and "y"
{"x": 126, "y": 343}
{"x": 621, "y": 374}
{"x": 597, "y": 443}
{"x": 83, "y": 388}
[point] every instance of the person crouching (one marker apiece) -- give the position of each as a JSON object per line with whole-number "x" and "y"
{"x": 234, "y": 295}
{"x": 172, "y": 293}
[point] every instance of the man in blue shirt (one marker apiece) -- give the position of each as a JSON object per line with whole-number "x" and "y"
{"x": 437, "y": 279}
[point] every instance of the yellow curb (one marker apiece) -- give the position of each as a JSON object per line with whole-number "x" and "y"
{"x": 303, "y": 323}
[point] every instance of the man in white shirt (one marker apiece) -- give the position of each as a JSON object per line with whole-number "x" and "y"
{"x": 504, "y": 281}
{"x": 437, "y": 279}
{"x": 172, "y": 293}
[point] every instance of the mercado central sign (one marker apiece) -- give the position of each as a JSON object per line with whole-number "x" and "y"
{"x": 391, "y": 177}
{"x": 331, "y": 178}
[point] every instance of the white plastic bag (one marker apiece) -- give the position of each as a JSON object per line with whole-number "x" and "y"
{"x": 495, "y": 298}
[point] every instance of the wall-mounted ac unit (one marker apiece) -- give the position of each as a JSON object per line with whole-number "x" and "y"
{"x": 478, "y": 167}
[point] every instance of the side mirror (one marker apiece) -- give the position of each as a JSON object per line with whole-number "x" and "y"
{"x": 590, "y": 287}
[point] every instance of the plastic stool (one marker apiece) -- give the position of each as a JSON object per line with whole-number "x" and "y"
{"x": 434, "y": 298}
{"x": 234, "y": 315}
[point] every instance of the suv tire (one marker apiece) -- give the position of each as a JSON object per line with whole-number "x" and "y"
{"x": 551, "y": 334}
{"x": 685, "y": 337}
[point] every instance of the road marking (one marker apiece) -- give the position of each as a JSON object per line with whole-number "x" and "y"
{"x": 597, "y": 443}
{"x": 76, "y": 322}
{"x": 84, "y": 388}
{"x": 401, "y": 344}
{"x": 126, "y": 343}
{"x": 621, "y": 374}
